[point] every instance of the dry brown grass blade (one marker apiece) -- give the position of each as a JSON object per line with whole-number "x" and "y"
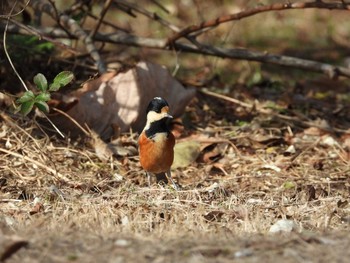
{"x": 13, "y": 124}
{"x": 72, "y": 120}
{"x": 39, "y": 164}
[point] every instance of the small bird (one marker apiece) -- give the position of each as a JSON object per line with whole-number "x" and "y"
{"x": 156, "y": 142}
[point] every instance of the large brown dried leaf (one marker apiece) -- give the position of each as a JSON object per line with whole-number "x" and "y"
{"x": 122, "y": 100}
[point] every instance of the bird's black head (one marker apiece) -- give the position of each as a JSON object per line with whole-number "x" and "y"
{"x": 158, "y": 105}
{"x": 157, "y": 115}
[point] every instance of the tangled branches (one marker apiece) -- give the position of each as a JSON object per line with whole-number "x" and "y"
{"x": 180, "y": 39}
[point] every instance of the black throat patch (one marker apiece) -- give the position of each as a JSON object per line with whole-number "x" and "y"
{"x": 159, "y": 126}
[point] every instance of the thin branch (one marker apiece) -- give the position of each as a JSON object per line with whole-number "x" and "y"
{"x": 253, "y": 11}
{"x": 160, "y": 6}
{"x": 146, "y": 13}
{"x": 115, "y": 27}
{"x": 102, "y": 15}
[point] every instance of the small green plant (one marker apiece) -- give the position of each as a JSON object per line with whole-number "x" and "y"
{"x": 26, "y": 47}
{"x": 29, "y": 99}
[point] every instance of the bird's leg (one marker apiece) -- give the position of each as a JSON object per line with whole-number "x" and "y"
{"x": 168, "y": 175}
{"x": 148, "y": 179}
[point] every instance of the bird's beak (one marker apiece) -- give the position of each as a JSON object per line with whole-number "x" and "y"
{"x": 167, "y": 115}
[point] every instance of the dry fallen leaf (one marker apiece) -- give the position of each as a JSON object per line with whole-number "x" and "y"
{"x": 39, "y": 207}
{"x": 103, "y": 152}
{"x": 210, "y": 153}
{"x": 121, "y": 100}
{"x": 185, "y": 153}
{"x": 9, "y": 245}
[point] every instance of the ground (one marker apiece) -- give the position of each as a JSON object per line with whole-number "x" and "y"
{"x": 61, "y": 203}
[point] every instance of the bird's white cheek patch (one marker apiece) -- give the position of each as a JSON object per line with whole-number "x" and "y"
{"x": 152, "y": 117}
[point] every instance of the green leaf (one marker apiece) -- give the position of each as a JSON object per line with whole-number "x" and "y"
{"x": 41, "y": 82}
{"x": 54, "y": 87}
{"x": 26, "y": 107}
{"x": 42, "y": 106}
{"x": 27, "y": 96}
{"x": 43, "y": 97}
{"x": 61, "y": 80}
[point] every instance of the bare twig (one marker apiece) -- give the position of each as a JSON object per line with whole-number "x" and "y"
{"x": 146, "y": 13}
{"x": 104, "y": 22}
{"x": 102, "y": 15}
{"x": 253, "y": 11}
{"x": 74, "y": 29}
{"x": 160, "y": 6}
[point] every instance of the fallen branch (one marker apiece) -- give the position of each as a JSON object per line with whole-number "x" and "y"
{"x": 264, "y": 57}
{"x": 235, "y": 53}
{"x": 197, "y": 29}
